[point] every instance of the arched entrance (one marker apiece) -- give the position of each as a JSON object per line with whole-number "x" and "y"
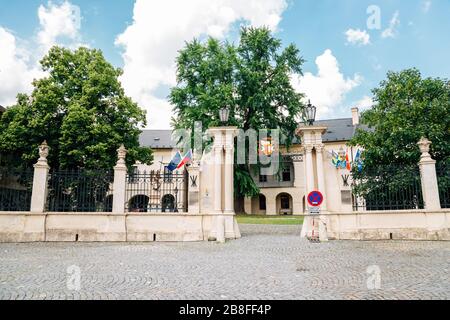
{"x": 284, "y": 204}
{"x": 139, "y": 203}
{"x": 259, "y": 205}
{"x": 262, "y": 203}
{"x": 168, "y": 203}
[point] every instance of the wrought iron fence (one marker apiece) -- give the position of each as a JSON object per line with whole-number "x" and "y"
{"x": 15, "y": 189}
{"x": 156, "y": 192}
{"x": 387, "y": 188}
{"x": 443, "y": 176}
{"x": 80, "y": 191}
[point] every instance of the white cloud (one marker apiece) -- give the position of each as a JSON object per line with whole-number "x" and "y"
{"x": 19, "y": 63}
{"x": 160, "y": 29}
{"x": 391, "y": 31}
{"x": 58, "y": 22}
{"x": 365, "y": 103}
{"x": 426, "y": 5}
{"x": 327, "y": 89}
{"x": 357, "y": 37}
{"x": 15, "y": 74}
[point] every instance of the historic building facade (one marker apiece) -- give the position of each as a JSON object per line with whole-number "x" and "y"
{"x": 284, "y": 193}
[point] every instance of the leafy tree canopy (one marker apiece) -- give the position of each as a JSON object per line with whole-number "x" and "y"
{"x": 251, "y": 78}
{"x": 406, "y": 108}
{"x": 81, "y": 110}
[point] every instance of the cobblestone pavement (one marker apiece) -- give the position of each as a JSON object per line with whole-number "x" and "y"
{"x": 269, "y": 262}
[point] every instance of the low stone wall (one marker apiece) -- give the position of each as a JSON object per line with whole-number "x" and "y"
{"x": 22, "y": 227}
{"x": 109, "y": 227}
{"x": 386, "y": 225}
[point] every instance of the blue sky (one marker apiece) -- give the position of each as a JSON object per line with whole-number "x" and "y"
{"x": 345, "y": 56}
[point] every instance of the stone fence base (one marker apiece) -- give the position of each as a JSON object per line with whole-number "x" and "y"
{"x": 109, "y": 227}
{"x": 389, "y": 225}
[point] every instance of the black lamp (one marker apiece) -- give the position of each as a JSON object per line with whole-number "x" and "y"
{"x": 224, "y": 115}
{"x": 310, "y": 113}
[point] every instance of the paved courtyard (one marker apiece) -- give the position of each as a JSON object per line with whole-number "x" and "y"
{"x": 269, "y": 262}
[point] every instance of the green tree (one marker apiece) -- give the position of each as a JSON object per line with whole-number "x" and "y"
{"x": 251, "y": 78}
{"x": 406, "y": 108}
{"x": 81, "y": 110}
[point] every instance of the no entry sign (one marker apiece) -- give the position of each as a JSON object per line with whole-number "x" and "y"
{"x": 315, "y": 199}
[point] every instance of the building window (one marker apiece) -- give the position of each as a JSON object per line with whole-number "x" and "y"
{"x": 262, "y": 202}
{"x": 285, "y": 203}
{"x": 262, "y": 178}
{"x": 286, "y": 174}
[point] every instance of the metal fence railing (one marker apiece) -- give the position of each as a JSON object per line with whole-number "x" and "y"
{"x": 156, "y": 192}
{"x": 80, "y": 191}
{"x": 387, "y": 188}
{"x": 15, "y": 189}
{"x": 443, "y": 176}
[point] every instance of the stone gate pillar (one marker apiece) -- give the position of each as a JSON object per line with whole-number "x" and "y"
{"x": 230, "y": 134}
{"x": 120, "y": 181}
{"x": 40, "y": 180}
{"x": 223, "y": 193}
{"x": 311, "y": 137}
{"x": 320, "y": 148}
{"x": 430, "y": 188}
{"x": 218, "y": 162}
{"x": 309, "y": 168}
{"x": 194, "y": 187}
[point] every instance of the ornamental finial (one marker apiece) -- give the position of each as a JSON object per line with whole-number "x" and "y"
{"x": 43, "y": 151}
{"x": 121, "y": 154}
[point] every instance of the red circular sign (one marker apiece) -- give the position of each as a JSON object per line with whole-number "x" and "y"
{"x": 315, "y": 199}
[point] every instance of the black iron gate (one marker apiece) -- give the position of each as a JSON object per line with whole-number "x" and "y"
{"x": 15, "y": 189}
{"x": 443, "y": 176}
{"x": 156, "y": 191}
{"x": 388, "y": 187}
{"x": 80, "y": 191}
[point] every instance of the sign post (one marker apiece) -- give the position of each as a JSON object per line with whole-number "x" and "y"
{"x": 315, "y": 200}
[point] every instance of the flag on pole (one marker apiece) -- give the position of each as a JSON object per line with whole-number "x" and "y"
{"x": 335, "y": 159}
{"x": 358, "y": 160}
{"x": 347, "y": 160}
{"x": 187, "y": 159}
{"x": 175, "y": 162}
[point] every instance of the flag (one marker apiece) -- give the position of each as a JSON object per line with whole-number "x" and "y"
{"x": 358, "y": 160}
{"x": 358, "y": 156}
{"x": 187, "y": 158}
{"x": 335, "y": 159}
{"x": 347, "y": 160}
{"x": 175, "y": 162}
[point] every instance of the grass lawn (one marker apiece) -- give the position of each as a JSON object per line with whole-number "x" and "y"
{"x": 278, "y": 220}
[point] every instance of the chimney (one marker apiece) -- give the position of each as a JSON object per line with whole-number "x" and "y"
{"x": 355, "y": 116}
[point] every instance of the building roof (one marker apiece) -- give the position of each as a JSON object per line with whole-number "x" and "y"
{"x": 2, "y": 109}
{"x": 338, "y": 130}
{"x": 157, "y": 139}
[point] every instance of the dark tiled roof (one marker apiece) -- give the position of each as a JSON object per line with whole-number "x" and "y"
{"x": 2, "y": 109}
{"x": 338, "y": 130}
{"x": 157, "y": 139}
